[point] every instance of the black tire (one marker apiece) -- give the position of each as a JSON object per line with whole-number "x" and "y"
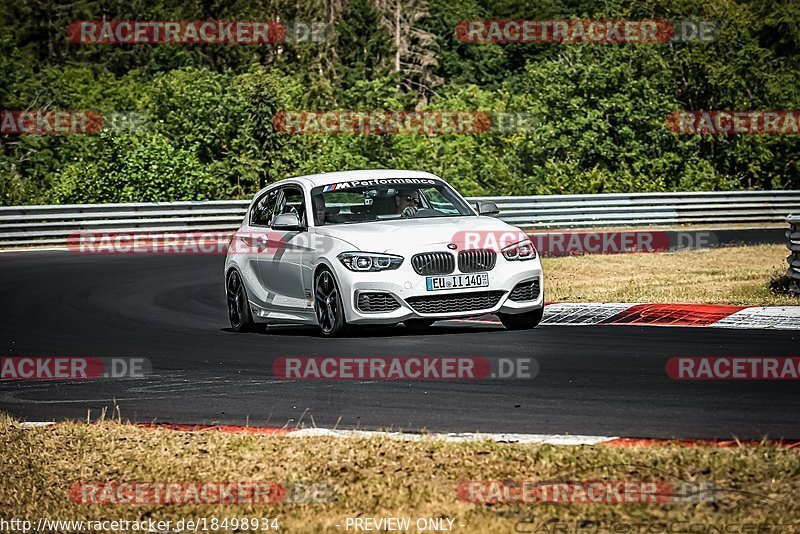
{"x": 522, "y": 321}
{"x": 419, "y": 325}
{"x": 238, "y": 306}
{"x": 328, "y": 305}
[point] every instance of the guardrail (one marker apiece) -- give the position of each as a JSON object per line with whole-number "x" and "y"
{"x": 616, "y": 209}
{"x": 793, "y": 235}
{"x": 51, "y": 225}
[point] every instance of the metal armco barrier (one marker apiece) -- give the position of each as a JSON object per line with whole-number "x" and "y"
{"x": 51, "y": 225}
{"x": 635, "y": 209}
{"x": 793, "y": 235}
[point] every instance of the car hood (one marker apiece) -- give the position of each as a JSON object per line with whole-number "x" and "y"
{"x": 414, "y": 234}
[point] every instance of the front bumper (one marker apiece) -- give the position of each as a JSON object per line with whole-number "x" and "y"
{"x": 403, "y": 284}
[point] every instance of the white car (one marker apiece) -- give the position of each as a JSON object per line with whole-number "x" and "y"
{"x": 377, "y": 247}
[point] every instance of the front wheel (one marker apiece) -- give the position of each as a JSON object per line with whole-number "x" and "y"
{"x": 238, "y": 306}
{"x": 522, "y": 321}
{"x": 328, "y": 305}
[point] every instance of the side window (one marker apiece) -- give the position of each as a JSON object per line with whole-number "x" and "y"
{"x": 434, "y": 195}
{"x": 292, "y": 202}
{"x": 264, "y": 209}
{"x": 439, "y": 202}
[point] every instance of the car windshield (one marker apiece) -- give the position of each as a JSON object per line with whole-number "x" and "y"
{"x": 376, "y": 200}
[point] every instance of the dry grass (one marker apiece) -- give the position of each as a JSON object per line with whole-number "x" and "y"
{"x": 730, "y": 275}
{"x": 385, "y": 478}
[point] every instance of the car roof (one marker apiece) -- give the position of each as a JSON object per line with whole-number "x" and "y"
{"x": 326, "y": 178}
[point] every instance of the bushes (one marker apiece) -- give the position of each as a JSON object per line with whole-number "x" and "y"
{"x": 137, "y": 168}
{"x": 209, "y": 136}
{"x": 601, "y": 109}
{"x": 600, "y": 115}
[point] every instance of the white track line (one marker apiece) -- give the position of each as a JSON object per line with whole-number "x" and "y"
{"x": 21, "y": 250}
{"x": 544, "y": 439}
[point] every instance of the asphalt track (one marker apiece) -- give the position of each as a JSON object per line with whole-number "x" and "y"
{"x": 595, "y": 380}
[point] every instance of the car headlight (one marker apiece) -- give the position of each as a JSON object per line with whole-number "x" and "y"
{"x": 369, "y": 261}
{"x": 524, "y": 250}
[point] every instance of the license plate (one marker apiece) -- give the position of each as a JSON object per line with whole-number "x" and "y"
{"x": 456, "y": 281}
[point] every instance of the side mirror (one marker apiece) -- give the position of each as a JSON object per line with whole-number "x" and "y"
{"x": 287, "y": 221}
{"x": 487, "y": 208}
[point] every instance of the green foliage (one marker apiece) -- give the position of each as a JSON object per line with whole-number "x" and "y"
{"x": 600, "y": 109}
{"x": 131, "y": 168}
{"x": 365, "y": 44}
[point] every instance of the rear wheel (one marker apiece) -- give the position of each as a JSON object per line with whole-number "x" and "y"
{"x": 238, "y": 307}
{"x": 418, "y": 325}
{"x": 328, "y": 305}
{"x": 522, "y": 321}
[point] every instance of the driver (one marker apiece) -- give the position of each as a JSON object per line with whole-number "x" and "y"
{"x": 321, "y": 213}
{"x": 407, "y": 202}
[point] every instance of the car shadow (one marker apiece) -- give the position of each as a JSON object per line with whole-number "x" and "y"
{"x": 360, "y": 332}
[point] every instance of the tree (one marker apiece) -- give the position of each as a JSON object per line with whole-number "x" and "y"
{"x": 363, "y": 45}
{"x": 415, "y": 59}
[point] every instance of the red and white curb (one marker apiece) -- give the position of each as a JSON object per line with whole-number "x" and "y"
{"x": 502, "y": 437}
{"x": 641, "y": 314}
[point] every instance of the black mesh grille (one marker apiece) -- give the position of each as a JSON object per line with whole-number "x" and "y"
{"x": 525, "y": 291}
{"x": 377, "y": 302}
{"x": 474, "y": 261}
{"x": 433, "y": 263}
{"x": 482, "y": 300}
